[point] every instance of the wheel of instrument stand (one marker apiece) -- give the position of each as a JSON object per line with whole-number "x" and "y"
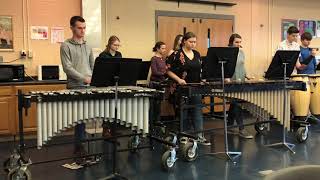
{"x": 20, "y": 173}
{"x": 167, "y": 139}
{"x": 188, "y": 153}
{"x": 301, "y": 134}
{"x": 132, "y": 145}
{"x": 166, "y": 161}
{"x": 6, "y": 165}
{"x": 261, "y": 128}
{"x": 10, "y": 164}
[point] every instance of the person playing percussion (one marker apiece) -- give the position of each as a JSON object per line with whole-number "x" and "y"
{"x": 158, "y": 74}
{"x": 235, "y": 111}
{"x": 77, "y": 61}
{"x": 112, "y": 48}
{"x": 307, "y": 55}
{"x": 185, "y": 67}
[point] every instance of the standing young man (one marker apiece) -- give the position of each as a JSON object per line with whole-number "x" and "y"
{"x": 290, "y": 44}
{"x": 77, "y": 61}
{"x": 307, "y": 55}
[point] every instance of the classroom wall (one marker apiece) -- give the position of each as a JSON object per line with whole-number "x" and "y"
{"x": 28, "y": 13}
{"x": 257, "y": 21}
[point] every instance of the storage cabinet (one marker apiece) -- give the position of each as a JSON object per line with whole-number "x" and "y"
{"x": 9, "y": 116}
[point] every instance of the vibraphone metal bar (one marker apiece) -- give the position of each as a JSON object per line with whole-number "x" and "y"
{"x": 59, "y": 110}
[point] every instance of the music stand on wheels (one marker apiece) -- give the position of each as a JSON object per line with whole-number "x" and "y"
{"x": 115, "y": 72}
{"x": 224, "y": 58}
{"x": 282, "y": 66}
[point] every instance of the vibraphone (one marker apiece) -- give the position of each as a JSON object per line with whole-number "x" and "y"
{"x": 263, "y": 98}
{"x": 59, "y": 110}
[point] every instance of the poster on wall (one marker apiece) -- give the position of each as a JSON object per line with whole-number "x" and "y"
{"x": 307, "y": 26}
{"x": 285, "y": 24}
{"x": 57, "y": 35}
{"x": 318, "y": 29}
{"x": 39, "y": 32}
{"x": 6, "y": 33}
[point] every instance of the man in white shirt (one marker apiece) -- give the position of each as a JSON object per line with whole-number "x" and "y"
{"x": 290, "y": 44}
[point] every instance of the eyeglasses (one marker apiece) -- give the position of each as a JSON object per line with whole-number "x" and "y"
{"x": 117, "y": 45}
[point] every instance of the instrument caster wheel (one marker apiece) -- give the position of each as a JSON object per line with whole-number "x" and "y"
{"x": 189, "y": 151}
{"x": 260, "y": 128}
{"x": 167, "y": 161}
{"x": 302, "y": 134}
{"x": 133, "y": 143}
{"x": 13, "y": 162}
{"x": 170, "y": 138}
{"x": 21, "y": 173}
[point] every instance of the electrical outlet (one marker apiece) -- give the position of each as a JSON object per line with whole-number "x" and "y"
{"x": 30, "y": 54}
{"x": 23, "y": 54}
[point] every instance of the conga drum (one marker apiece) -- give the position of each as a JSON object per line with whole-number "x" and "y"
{"x": 300, "y": 100}
{"x": 315, "y": 94}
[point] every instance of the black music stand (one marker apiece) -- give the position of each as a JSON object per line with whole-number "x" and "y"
{"x": 115, "y": 72}
{"x": 224, "y": 58}
{"x": 281, "y": 67}
{"x": 144, "y": 70}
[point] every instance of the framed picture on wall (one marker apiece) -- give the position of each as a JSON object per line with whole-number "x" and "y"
{"x": 6, "y": 33}
{"x": 285, "y": 24}
{"x": 307, "y": 26}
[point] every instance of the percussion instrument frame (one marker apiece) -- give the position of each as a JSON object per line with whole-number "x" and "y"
{"x": 24, "y": 103}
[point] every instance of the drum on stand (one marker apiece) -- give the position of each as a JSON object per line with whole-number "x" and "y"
{"x": 315, "y": 94}
{"x": 300, "y": 100}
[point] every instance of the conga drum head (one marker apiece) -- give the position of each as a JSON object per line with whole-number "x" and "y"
{"x": 314, "y": 75}
{"x": 300, "y": 77}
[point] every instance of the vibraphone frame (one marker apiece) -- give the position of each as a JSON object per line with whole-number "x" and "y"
{"x": 213, "y": 88}
{"x": 21, "y": 162}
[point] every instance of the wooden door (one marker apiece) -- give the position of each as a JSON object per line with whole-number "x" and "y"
{"x": 169, "y": 27}
{"x": 213, "y": 33}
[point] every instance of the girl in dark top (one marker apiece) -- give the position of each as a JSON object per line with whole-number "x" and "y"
{"x": 111, "y": 51}
{"x": 112, "y": 48}
{"x": 185, "y": 67}
{"x": 158, "y": 63}
{"x": 158, "y": 72}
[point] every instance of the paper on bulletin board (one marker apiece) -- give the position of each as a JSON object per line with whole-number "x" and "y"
{"x": 39, "y": 32}
{"x": 307, "y": 26}
{"x": 318, "y": 29}
{"x": 285, "y": 24}
{"x": 57, "y": 35}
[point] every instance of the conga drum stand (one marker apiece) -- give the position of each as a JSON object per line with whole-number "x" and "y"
{"x": 284, "y": 142}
